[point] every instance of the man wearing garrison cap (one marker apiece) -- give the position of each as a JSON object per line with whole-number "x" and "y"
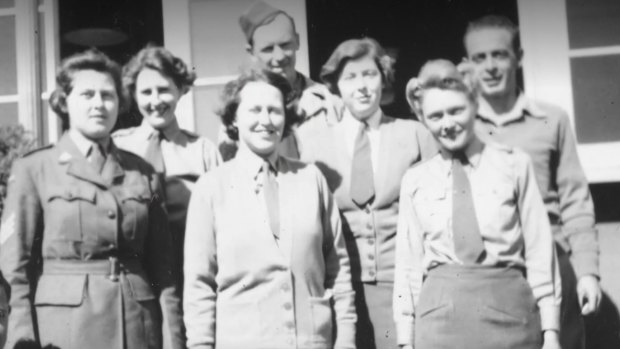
{"x": 272, "y": 42}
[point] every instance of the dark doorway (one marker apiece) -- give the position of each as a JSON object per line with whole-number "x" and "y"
{"x": 415, "y": 30}
{"x": 139, "y": 20}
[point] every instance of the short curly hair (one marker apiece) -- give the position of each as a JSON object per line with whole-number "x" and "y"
{"x": 354, "y": 49}
{"x": 91, "y": 59}
{"x": 160, "y": 59}
{"x": 230, "y": 99}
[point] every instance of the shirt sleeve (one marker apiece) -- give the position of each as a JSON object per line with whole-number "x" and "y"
{"x": 409, "y": 268}
{"x": 337, "y": 269}
{"x": 540, "y": 258}
{"x": 211, "y": 157}
{"x": 20, "y": 228}
{"x": 576, "y": 206}
{"x": 200, "y": 268}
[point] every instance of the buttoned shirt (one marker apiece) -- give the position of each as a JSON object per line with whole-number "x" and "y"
{"x": 513, "y": 225}
{"x": 186, "y": 156}
{"x": 543, "y": 132}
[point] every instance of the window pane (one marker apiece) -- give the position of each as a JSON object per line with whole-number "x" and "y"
{"x": 218, "y": 45}
{"x": 7, "y": 3}
{"x": 597, "y": 98}
{"x": 8, "y": 54}
{"x": 8, "y": 114}
{"x": 206, "y": 99}
{"x": 593, "y": 23}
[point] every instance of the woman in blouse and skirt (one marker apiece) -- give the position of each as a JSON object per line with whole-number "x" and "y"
{"x": 475, "y": 260}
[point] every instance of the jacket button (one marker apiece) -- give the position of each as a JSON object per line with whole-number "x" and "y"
{"x": 289, "y": 324}
{"x": 367, "y": 209}
{"x": 111, "y": 214}
{"x": 371, "y": 257}
{"x": 371, "y": 273}
{"x": 369, "y": 225}
{"x": 371, "y": 241}
{"x": 288, "y": 306}
{"x": 285, "y": 288}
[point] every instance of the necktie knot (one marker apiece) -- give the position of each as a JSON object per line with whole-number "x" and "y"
{"x": 460, "y": 158}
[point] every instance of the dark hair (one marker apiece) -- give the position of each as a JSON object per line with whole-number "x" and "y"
{"x": 91, "y": 59}
{"x": 230, "y": 98}
{"x": 6, "y": 287}
{"x": 162, "y": 60}
{"x": 354, "y": 49}
{"x": 499, "y": 22}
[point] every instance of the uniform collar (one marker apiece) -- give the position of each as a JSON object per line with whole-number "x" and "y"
{"x": 523, "y": 107}
{"x": 171, "y": 132}
{"x": 251, "y": 164}
{"x": 84, "y": 144}
{"x": 473, "y": 154}
{"x": 373, "y": 121}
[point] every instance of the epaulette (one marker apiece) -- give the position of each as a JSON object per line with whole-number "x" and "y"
{"x": 28, "y": 153}
{"x": 123, "y": 132}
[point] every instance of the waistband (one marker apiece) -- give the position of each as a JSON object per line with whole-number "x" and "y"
{"x": 475, "y": 271}
{"x": 113, "y": 267}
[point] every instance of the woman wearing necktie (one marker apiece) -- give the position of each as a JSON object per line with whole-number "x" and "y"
{"x": 475, "y": 260}
{"x": 84, "y": 240}
{"x": 363, "y": 158}
{"x": 156, "y": 80}
{"x": 265, "y": 260}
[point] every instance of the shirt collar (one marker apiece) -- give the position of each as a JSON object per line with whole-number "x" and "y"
{"x": 170, "y": 132}
{"x": 84, "y": 144}
{"x": 373, "y": 121}
{"x": 251, "y": 163}
{"x": 523, "y": 107}
{"x": 473, "y": 154}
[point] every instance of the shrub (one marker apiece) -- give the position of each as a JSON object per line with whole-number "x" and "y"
{"x": 14, "y": 142}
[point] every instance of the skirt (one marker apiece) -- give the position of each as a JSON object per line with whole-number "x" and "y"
{"x": 477, "y": 307}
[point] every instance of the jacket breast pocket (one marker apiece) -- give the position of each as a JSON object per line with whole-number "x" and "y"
{"x": 498, "y": 200}
{"x": 60, "y": 290}
{"x": 135, "y": 203}
{"x": 431, "y": 208}
{"x": 66, "y": 210}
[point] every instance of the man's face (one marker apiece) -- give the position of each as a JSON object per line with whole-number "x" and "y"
{"x": 494, "y": 61}
{"x": 275, "y": 46}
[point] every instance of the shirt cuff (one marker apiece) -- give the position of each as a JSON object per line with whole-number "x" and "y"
{"x": 585, "y": 263}
{"x": 345, "y": 337}
{"x": 405, "y": 332}
{"x": 550, "y": 317}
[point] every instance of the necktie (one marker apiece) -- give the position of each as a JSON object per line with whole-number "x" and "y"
{"x": 272, "y": 198}
{"x": 153, "y": 152}
{"x": 468, "y": 243}
{"x": 97, "y": 157}
{"x": 362, "y": 181}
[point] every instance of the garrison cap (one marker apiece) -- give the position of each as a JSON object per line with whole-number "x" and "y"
{"x": 259, "y": 13}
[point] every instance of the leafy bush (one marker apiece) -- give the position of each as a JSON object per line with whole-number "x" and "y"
{"x": 14, "y": 142}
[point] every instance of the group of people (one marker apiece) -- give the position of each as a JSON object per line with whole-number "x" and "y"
{"x": 317, "y": 221}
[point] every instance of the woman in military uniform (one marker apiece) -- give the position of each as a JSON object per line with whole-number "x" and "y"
{"x": 156, "y": 80}
{"x": 84, "y": 243}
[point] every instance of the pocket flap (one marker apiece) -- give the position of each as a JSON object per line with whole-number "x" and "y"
{"x": 140, "y": 288}
{"x": 86, "y": 193}
{"x": 60, "y": 290}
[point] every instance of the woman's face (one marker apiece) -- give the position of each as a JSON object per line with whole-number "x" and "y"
{"x": 260, "y": 118}
{"x": 156, "y": 97}
{"x": 360, "y": 86}
{"x": 92, "y": 104}
{"x": 449, "y": 116}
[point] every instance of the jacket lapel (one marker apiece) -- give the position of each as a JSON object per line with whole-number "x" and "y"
{"x": 112, "y": 168}
{"x": 287, "y": 192}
